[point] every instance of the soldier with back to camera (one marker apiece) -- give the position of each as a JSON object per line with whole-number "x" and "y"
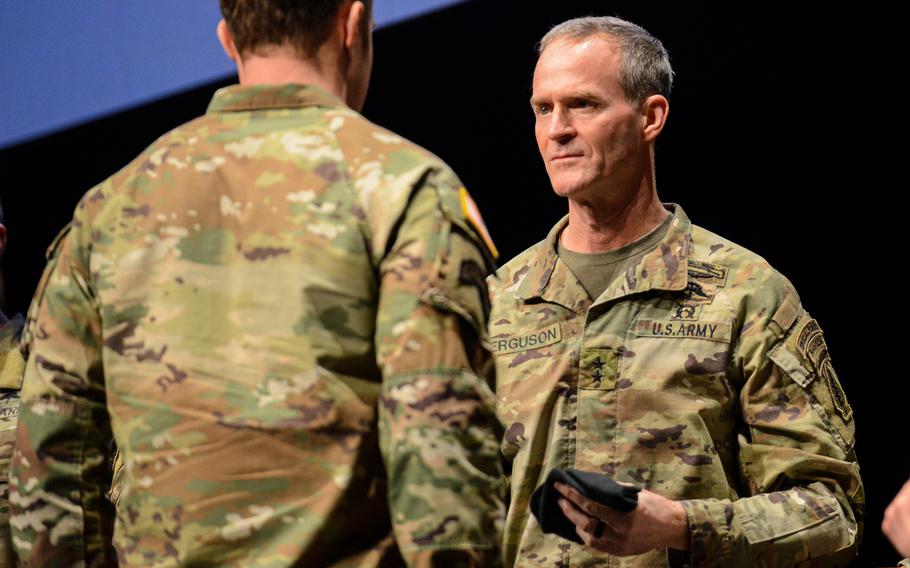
{"x": 277, "y": 312}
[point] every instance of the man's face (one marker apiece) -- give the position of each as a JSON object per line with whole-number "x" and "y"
{"x": 589, "y": 135}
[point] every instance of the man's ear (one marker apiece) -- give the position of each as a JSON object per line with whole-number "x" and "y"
{"x": 353, "y": 15}
{"x": 2, "y": 239}
{"x": 227, "y": 41}
{"x": 654, "y": 111}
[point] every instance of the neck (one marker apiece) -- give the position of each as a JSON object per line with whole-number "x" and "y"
{"x": 284, "y": 65}
{"x": 605, "y": 226}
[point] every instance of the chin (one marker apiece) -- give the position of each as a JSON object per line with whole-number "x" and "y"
{"x": 567, "y": 189}
{"x": 569, "y": 185}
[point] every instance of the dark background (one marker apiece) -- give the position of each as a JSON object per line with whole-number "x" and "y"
{"x": 780, "y": 139}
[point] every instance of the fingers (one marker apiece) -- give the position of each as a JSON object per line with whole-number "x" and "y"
{"x": 579, "y": 518}
{"x": 657, "y": 522}
{"x": 592, "y": 508}
{"x": 896, "y": 524}
{"x": 593, "y": 532}
{"x": 615, "y": 519}
{"x": 599, "y": 529}
{"x": 602, "y": 542}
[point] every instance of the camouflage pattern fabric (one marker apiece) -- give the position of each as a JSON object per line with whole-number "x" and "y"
{"x": 278, "y": 312}
{"x": 697, "y": 375}
{"x": 11, "y": 368}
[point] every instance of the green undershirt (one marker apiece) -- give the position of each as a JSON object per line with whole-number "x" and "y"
{"x": 596, "y": 271}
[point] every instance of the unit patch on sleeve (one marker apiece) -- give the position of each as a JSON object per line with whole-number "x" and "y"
{"x": 813, "y": 350}
{"x": 472, "y": 214}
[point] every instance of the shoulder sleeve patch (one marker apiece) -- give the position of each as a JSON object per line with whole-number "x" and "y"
{"x": 472, "y": 214}
{"x": 804, "y": 356}
{"x": 811, "y": 346}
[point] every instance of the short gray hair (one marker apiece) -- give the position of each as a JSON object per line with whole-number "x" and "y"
{"x": 645, "y": 68}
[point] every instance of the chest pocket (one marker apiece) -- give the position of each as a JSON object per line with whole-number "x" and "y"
{"x": 673, "y": 350}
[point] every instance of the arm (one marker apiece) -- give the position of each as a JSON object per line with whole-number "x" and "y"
{"x": 59, "y": 469}
{"x": 438, "y": 431}
{"x": 796, "y": 454}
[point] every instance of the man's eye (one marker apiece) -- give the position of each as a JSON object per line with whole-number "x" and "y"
{"x": 581, "y": 104}
{"x": 543, "y": 109}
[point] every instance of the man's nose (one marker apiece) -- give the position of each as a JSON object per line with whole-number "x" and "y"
{"x": 560, "y": 128}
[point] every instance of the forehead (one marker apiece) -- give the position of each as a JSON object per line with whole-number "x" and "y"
{"x": 590, "y": 62}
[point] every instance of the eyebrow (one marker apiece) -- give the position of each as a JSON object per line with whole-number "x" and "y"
{"x": 585, "y": 94}
{"x": 581, "y": 94}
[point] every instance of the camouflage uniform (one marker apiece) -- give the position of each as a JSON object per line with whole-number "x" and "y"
{"x": 11, "y": 367}
{"x": 273, "y": 306}
{"x": 697, "y": 375}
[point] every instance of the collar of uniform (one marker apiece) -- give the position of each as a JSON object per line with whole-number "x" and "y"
{"x": 11, "y": 361}
{"x": 240, "y": 98}
{"x": 550, "y": 279}
{"x": 664, "y": 268}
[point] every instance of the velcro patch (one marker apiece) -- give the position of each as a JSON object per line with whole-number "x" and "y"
{"x": 787, "y": 313}
{"x": 534, "y": 340}
{"x": 713, "y": 331}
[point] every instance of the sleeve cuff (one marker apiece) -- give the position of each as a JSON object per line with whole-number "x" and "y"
{"x": 710, "y": 538}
